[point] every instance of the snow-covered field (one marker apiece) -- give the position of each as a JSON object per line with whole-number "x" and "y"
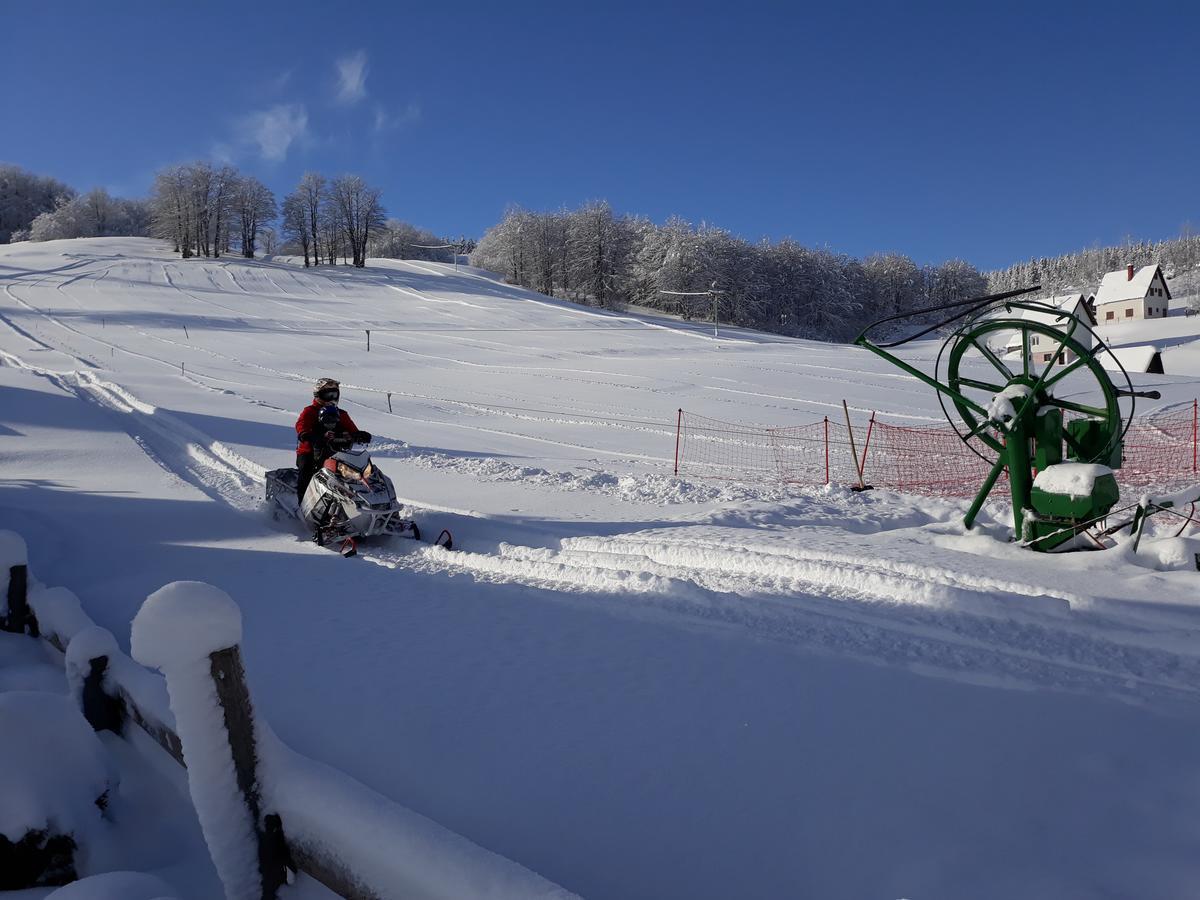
{"x": 635, "y": 685}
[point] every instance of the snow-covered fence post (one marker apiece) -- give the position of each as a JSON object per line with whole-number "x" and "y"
{"x": 191, "y": 631}
{"x": 87, "y": 657}
{"x": 17, "y": 616}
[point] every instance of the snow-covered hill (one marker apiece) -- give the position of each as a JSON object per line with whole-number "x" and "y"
{"x": 636, "y": 685}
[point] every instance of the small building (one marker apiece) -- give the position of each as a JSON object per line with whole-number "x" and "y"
{"x": 1126, "y": 295}
{"x": 1144, "y": 358}
{"x": 1040, "y": 347}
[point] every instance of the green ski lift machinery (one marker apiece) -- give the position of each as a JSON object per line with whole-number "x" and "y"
{"x": 1022, "y": 384}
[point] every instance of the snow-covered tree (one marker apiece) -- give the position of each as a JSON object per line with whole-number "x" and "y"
{"x": 24, "y": 196}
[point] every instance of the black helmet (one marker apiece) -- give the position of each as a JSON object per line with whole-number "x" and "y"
{"x": 329, "y": 417}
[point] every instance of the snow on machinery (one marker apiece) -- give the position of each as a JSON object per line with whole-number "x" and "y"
{"x": 1027, "y": 393}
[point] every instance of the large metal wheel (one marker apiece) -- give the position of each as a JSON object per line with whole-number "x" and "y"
{"x": 1009, "y": 358}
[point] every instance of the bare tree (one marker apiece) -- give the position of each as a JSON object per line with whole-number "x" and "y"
{"x": 296, "y": 223}
{"x": 255, "y": 206}
{"x": 312, "y": 193}
{"x": 359, "y": 213}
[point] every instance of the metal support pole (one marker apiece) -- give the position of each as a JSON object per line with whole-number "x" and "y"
{"x": 678, "y": 432}
{"x": 827, "y": 449}
{"x": 853, "y": 450}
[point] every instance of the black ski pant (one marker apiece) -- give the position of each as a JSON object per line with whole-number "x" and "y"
{"x": 306, "y": 466}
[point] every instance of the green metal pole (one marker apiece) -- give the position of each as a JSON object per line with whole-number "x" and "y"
{"x": 921, "y": 376}
{"x": 1020, "y": 475}
{"x": 988, "y": 484}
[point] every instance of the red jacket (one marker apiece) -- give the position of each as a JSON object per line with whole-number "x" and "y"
{"x": 307, "y": 424}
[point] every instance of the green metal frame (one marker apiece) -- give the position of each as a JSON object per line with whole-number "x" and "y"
{"x": 1030, "y": 435}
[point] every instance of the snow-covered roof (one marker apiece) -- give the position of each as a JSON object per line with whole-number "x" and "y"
{"x": 1116, "y": 287}
{"x": 1067, "y": 303}
{"x": 1133, "y": 359}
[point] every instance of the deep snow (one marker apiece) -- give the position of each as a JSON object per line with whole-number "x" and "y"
{"x": 635, "y": 685}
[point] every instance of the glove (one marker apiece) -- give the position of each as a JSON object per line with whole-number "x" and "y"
{"x": 363, "y": 437}
{"x": 329, "y": 436}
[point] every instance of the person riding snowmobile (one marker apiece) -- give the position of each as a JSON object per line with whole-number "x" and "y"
{"x": 319, "y": 429}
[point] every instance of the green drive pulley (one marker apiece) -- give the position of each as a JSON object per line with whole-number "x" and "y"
{"x": 1029, "y": 395}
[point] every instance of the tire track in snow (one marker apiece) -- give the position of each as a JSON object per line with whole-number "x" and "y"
{"x": 989, "y": 632}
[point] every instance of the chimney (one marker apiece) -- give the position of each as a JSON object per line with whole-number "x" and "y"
{"x": 1129, "y": 273}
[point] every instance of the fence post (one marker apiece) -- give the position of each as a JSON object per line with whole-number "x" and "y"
{"x": 1194, "y": 423}
{"x": 88, "y": 654}
{"x": 368, "y": 331}
{"x": 678, "y": 430}
{"x": 20, "y": 617}
{"x": 192, "y": 631}
{"x": 827, "y": 449}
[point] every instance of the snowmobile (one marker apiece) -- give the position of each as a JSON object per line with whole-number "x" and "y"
{"x": 348, "y": 498}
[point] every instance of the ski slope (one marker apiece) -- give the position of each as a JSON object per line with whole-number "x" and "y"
{"x": 633, "y": 684}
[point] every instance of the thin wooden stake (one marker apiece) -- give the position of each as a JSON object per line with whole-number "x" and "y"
{"x": 389, "y": 401}
{"x": 853, "y": 450}
{"x": 368, "y": 331}
{"x": 185, "y": 333}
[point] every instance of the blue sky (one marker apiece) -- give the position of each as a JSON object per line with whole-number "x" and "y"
{"x": 991, "y": 132}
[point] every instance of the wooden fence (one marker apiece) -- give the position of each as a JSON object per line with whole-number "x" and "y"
{"x": 111, "y": 700}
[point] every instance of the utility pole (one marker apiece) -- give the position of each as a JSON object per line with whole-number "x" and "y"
{"x": 711, "y": 292}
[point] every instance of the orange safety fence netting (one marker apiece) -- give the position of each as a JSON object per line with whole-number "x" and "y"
{"x": 925, "y": 459}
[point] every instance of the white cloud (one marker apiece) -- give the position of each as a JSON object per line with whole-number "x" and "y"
{"x": 386, "y": 121}
{"x": 273, "y": 131}
{"x": 352, "y": 77}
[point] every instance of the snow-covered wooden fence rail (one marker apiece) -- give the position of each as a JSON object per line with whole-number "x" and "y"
{"x": 264, "y": 809}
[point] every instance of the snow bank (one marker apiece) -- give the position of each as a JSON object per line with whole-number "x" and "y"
{"x": 1167, "y": 555}
{"x": 12, "y": 550}
{"x": 176, "y": 629}
{"x": 115, "y": 886}
{"x": 390, "y": 850}
{"x": 58, "y": 612}
{"x": 52, "y": 766}
{"x": 1070, "y": 479}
